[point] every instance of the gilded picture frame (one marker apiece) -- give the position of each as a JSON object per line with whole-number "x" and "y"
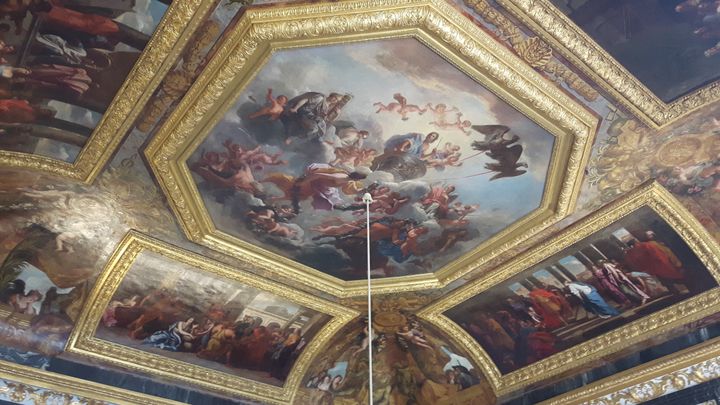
{"x": 436, "y": 24}
{"x": 82, "y": 341}
{"x": 651, "y": 195}
{"x": 570, "y": 41}
{"x": 164, "y": 48}
{"x": 38, "y": 385}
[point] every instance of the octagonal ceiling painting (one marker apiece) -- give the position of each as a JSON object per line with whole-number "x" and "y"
{"x": 447, "y": 162}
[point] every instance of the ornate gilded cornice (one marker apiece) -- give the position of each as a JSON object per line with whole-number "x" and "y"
{"x": 533, "y": 50}
{"x": 21, "y": 383}
{"x": 672, "y": 373}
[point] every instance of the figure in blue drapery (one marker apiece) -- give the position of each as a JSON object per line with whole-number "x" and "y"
{"x": 413, "y": 143}
{"x": 171, "y": 339}
{"x": 592, "y": 301}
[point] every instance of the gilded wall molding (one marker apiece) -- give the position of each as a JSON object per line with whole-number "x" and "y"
{"x": 649, "y": 195}
{"x": 643, "y": 383}
{"x": 21, "y": 383}
{"x": 439, "y": 26}
{"x": 533, "y": 50}
{"x": 82, "y": 341}
{"x": 576, "y": 46}
{"x": 177, "y": 26}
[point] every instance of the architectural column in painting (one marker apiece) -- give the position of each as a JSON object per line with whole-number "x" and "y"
{"x": 527, "y": 284}
{"x": 535, "y": 282}
{"x": 600, "y": 252}
{"x": 315, "y": 323}
{"x": 584, "y": 259}
{"x": 565, "y": 271}
{"x": 558, "y": 275}
{"x": 294, "y": 318}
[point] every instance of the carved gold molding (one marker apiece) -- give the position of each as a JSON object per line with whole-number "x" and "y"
{"x": 534, "y": 51}
{"x": 159, "y": 56}
{"x": 582, "y": 51}
{"x": 439, "y": 26}
{"x": 650, "y": 195}
{"x": 83, "y": 341}
{"x": 655, "y": 379}
{"x": 177, "y": 82}
{"x": 24, "y": 383}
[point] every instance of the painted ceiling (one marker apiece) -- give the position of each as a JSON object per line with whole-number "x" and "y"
{"x": 182, "y": 215}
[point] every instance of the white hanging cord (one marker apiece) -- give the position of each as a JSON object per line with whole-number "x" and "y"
{"x": 367, "y": 199}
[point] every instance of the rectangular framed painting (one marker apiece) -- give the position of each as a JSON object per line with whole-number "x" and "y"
{"x": 634, "y": 269}
{"x": 660, "y": 58}
{"x": 161, "y": 309}
{"x": 64, "y": 99}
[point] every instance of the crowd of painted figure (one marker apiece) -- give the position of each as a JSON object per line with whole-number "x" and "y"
{"x": 526, "y": 329}
{"x": 338, "y": 183}
{"x": 64, "y": 51}
{"x": 157, "y": 321}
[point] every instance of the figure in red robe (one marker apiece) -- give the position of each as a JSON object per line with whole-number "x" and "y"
{"x": 13, "y": 111}
{"x": 549, "y": 306}
{"x": 91, "y": 24}
{"x": 658, "y": 261}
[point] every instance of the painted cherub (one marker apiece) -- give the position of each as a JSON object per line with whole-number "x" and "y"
{"x": 463, "y": 210}
{"x": 273, "y": 109}
{"x": 266, "y": 221}
{"x": 259, "y": 158}
{"x": 459, "y": 124}
{"x": 413, "y": 336}
{"x": 255, "y": 157}
{"x": 449, "y": 155}
{"x": 440, "y": 111}
{"x": 401, "y": 107}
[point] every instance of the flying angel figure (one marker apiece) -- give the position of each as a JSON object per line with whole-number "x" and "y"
{"x": 498, "y": 148}
{"x": 401, "y": 107}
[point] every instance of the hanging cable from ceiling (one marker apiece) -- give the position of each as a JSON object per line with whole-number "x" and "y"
{"x": 367, "y": 199}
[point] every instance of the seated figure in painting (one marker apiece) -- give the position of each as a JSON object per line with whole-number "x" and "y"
{"x": 437, "y": 202}
{"x": 415, "y": 144}
{"x": 282, "y": 358}
{"x": 609, "y": 285}
{"x": 173, "y": 338}
{"x": 307, "y": 116}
